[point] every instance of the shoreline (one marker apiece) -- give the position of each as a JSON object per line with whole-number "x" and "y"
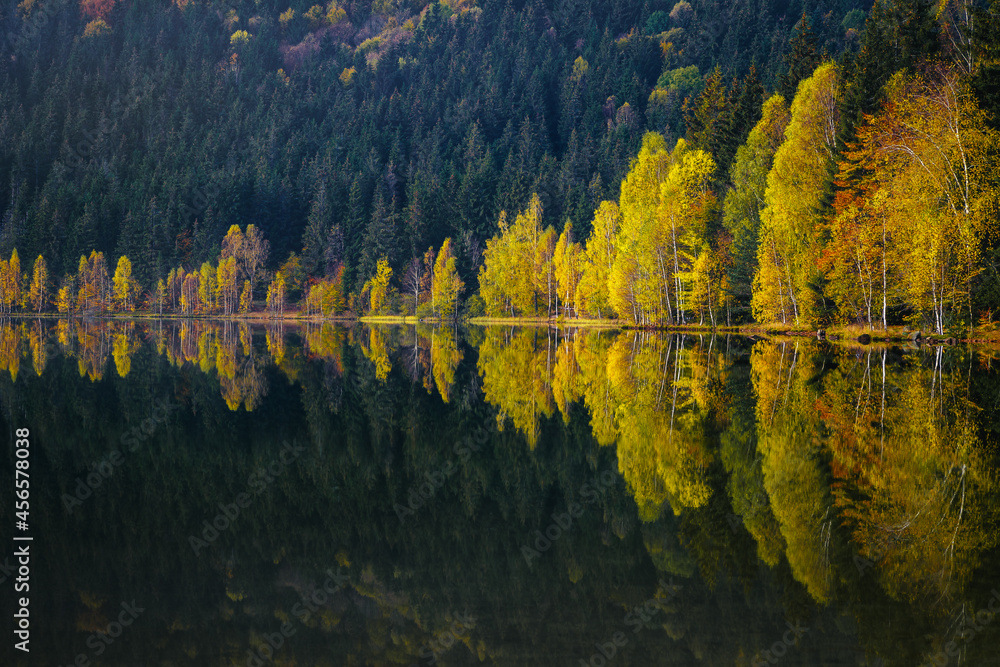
{"x": 846, "y": 334}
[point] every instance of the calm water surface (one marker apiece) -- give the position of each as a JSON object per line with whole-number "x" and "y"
{"x": 216, "y": 494}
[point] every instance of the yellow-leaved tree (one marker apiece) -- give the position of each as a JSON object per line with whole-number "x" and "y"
{"x": 226, "y": 285}
{"x": 787, "y": 283}
{"x": 598, "y": 258}
{"x": 246, "y": 297}
{"x": 744, "y": 201}
{"x": 10, "y": 282}
{"x": 39, "y": 290}
{"x": 206, "y": 286}
{"x": 566, "y": 264}
{"x": 507, "y": 282}
{"x": 793, "y": 476}
{"x": 665, "y": 205}
{"x": 931, "y": 156}
{"x": 276, "y": 293}
{"x": 378, "y": 287}
{"x": 124, "y": 287}
{"x": 446, "y": 286}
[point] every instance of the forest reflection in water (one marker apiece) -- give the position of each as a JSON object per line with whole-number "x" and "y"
{"x": 851, "y": 491}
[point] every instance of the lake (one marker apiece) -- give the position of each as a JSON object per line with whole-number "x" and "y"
{"x": 213, "y": 493}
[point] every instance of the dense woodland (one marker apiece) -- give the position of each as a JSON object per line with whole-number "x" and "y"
{"x": 799, "y": 162}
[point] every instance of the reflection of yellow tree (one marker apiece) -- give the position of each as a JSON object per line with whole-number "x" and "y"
{"x": 326, "y": 341}
{"x": 378, "y": 353}
{"x": 188, "y": 349}
{"x": 123, "y": 348}
{"x": 749, "y": 499}
{"x": 10, "y": 349}
{"x": 738, "y": 452}
{"x": 39, "y": 351}
{"x": 789, "y": 442}
{"x": 592, "y": 359}
{"x": 904, "y": 443}
{"x": 63, "y": 333}
{"x": 246, "y": 339}
{"x": 225, "y": 357}
{"x": 247, "y": 386}
{"x": 417, "y": 356}
{"x": 661, "y": 421}
{"x": 91, "y": 349}
{"x": 649, "y": 394}
{"x": 445, "y": 357}
{"x": 207, "y": 341}
{"x": 275, "y": 338}
{"x": 241, "y": 380}
{"x": 566, "y": 376}
{"x": 516, "y": 368}
{"x": 228, "y": 349}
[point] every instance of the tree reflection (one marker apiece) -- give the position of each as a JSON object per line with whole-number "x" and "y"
{"x": 789, "y": 439}
{"x": 788, "y": 479}
{"x": 883, "y": 444}
{"x": 911, "y": 479}
{"x": 516, "y": 367}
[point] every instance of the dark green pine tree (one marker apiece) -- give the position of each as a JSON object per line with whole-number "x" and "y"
{"x": 315, "y": 234}
{"x": 356, "y": 221}
{"x": 519, "y": 171}
{"x": 745, "y": 101}
{"x": 476, "y": 192}
{"x": 381, "y": 238}
{"x": 802, "y": 58}
{"x": 140, "y": 235}
{"x": 574, "y": 174}
{"x": 911, "y": 27}
{"x": 416, "y": 217}
{"x": 898, "y": 33}
{"x": 986, "y": 50}
{"x": 707, "y": 116}
{"x": 82, "y": 238}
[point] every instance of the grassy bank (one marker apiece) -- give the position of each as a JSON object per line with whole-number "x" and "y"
{"x": 597, "y": 323}
{"x": 544, "y": 322}
{"x": 389, "y": 319}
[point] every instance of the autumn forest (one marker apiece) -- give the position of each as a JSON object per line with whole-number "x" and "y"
{"x": 662, "y": 164}
{"x": 509, "y": 328}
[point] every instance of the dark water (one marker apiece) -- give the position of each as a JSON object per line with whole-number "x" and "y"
{"x": 502, "y": 496}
